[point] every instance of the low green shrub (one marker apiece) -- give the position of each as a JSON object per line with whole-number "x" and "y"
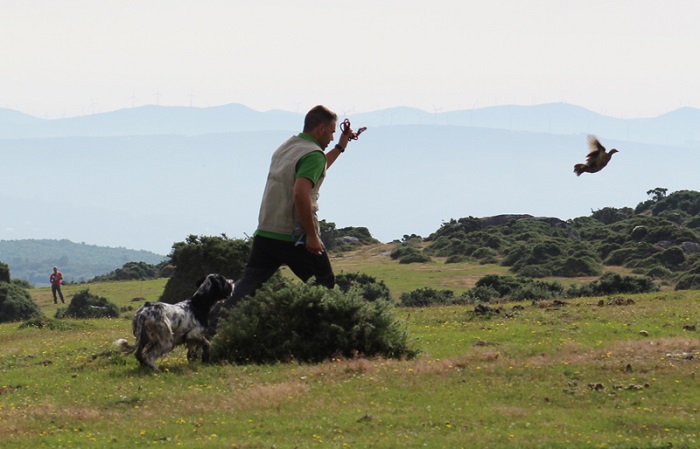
{"x": 368, "y": 286}
{"x": 43, "y": 322}
{"x": 425, "y": 297}
{"x": 688, "y": 281}
{"x": 415, "y": 258}
{"x": 86, "y": 305}
{"x": 479, "y": 295}
{"x": 308, "y": 323}
{"x": 613, "y": 283}
{"x": 504, "y": 285}
{"x": 402, "y": 250}
{"x": 534, "y": 271}
{"x": 16, "y": 304}
{"x": 406, "y": 253}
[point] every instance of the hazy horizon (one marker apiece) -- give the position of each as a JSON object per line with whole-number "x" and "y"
{"x": 627, "y": 58}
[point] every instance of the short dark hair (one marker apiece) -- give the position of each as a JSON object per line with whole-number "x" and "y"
{"x": 318, "y": 115}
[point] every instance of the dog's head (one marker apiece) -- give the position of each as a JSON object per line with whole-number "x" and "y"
{"x": 213, "y": 288}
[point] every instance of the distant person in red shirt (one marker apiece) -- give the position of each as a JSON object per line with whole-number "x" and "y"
{"x": 56, "y": 279}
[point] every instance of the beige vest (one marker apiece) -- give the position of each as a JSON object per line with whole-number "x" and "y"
{"x": 277, "y": 211}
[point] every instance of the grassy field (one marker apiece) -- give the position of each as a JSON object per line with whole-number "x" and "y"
{"x": 612, "y": 372}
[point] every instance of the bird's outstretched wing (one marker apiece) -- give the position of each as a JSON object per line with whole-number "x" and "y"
{"x": 596, "y": 150}
{"x": 594, "y": 144}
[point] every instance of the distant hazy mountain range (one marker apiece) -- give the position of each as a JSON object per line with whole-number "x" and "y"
{"x": 679, "y": 127}
{"x": 147, "y": 177}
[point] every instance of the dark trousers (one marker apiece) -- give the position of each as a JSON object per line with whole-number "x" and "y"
{"x": 268, "y": 255}
{"x": 56, "y": 288}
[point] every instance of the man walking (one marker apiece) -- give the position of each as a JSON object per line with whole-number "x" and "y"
{"x": 288, "y": 232}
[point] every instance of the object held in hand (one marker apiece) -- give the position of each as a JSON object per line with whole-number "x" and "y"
{"x": 345, "y": 125}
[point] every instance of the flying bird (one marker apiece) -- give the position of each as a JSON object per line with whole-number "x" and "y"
{"x": 597, "y": 157}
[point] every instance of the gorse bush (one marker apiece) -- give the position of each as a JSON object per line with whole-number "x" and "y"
{"x": 308, "y": 323}
{"x": 661, "y": 232}
{"x": 16, "y": 304}
{"x": 4, "y": 272}
{"x": 136, "y": 271}
{"x": 199, "y": 256}
{"x": 613, "y": 283}
{"x": 424, "y": 297}
{"x": 481, "y": 294}
{"x": 367, "y": 286}
{"x": 86, "y": 305}
{"x": 520, "y": 288}
{"x": 408, "y": 253}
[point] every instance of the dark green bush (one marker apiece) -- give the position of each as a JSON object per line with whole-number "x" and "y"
{"x": 402, "y": 250}
{"x": 613, "y": 283}
{"x": 504, "y": 285}
{"x": 534, "y": 271}
{"x": 536, "y": 291}
{"x": 456, "y": 259}
{"x": 628, "y": 253}
{"x": 693, "y": 222}
{"x": 608, "y": 215}
{"x": 307, "y": 323}
{"x": 199, "y": 256}
{"x": 658, "y": 272}
{"x": 485, "y": 253}
{"x": 86, "y": 305}
{"x": 425, "y": 297}
{"x": 136, "y": 271}
{"x": 416, "y": 257}
{"x": 520, "y": 288}
{"x": 576, "y": 266}
{"x": 477, "y": 295}
{"x": 22, "y": 283}
{"x": 368, "y": 286}
{"x": 4, "y": 272}
{"x": 688, "y": 281}
{"x": 16, "y": 304}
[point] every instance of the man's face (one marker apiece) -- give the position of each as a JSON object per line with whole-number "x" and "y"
{"x": 326, "y": 135}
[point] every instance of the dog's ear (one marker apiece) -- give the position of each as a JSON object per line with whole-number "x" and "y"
{"x": 203, "y": 287}
{"x": 223, "y": 286}
{"x": 199, "y": 281}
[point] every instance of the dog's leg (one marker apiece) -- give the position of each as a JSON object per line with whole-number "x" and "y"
{"x": 142, "y": 346}
{"x": 160, "y": 339}
{"x": 193, "y": 346}
{"x": 205, "y": 351}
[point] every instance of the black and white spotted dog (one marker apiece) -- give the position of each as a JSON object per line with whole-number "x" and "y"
{"x": 160, "y": 327}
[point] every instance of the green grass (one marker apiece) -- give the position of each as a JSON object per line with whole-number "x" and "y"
{"x": 573, "y": 376}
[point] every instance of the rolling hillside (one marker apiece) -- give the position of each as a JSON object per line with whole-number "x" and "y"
{"x": 32, "y": 260}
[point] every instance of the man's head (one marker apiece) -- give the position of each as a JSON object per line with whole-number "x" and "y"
{"x": 320, "y": 123}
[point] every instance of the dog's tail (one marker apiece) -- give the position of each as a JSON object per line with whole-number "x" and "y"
{"x": 124, "y": 345}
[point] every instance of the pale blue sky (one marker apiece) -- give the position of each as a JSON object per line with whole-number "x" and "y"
{"x": 625, "y": 58}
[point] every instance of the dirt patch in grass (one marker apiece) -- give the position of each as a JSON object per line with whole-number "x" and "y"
{"x": 641, "y": 351}
{"x": 656, "y": 349}
{"x": 266, "y": 394}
